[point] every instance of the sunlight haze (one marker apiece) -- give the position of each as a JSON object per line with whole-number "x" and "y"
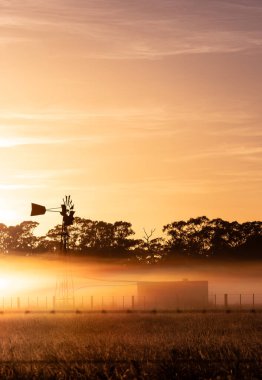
{"x": 143, "y": 111}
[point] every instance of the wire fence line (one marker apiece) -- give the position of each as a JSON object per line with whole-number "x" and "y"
{"x": 128, "y": 361}
{"x": 218, "y": 301}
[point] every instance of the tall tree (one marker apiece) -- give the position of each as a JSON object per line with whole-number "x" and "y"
{"x": 188, "y": 238}
{"x": 21, "y": 237}
{"x": 216, "y": 237}
{"x": 3, "y": 238}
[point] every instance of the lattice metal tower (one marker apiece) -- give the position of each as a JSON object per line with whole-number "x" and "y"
{"x": 64, "y": 291}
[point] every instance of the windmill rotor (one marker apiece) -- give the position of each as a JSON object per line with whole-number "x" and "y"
{"x": 67, "y": 211}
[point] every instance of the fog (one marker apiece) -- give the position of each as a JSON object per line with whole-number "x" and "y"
{"x": 30, "y": 276}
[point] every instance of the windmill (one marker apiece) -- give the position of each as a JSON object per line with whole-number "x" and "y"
{"x": 67, "y": 212}
{"x": 64, "y": 291}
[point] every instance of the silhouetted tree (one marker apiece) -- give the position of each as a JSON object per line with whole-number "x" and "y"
{"x": 252, "y": 248}
{"x": 95, "y": 237}
{"x": 21, "y": 237}
{"x": 3, "y": 238}
{"x": 122, "y": 231}
{"x": 197, "y": 237}
{"x": 201, "y": 237}
{"x": 188, "y": 238}
{"x": 150, "y": 250}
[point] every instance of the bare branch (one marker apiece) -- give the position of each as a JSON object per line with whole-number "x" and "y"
{"x": 148, "y": 235}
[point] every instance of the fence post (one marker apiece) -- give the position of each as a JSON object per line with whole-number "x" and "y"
{"x": 123, "y": 302}
{"x": 155, "y": 303}
{"x": 133, "y": 302}
{"x": 240, "y": 300}
{"x": 92, "y": 302}
{"x": 226, "y": 300}
{"x": 144, "y": 302}
{"x": 253, "y": 301}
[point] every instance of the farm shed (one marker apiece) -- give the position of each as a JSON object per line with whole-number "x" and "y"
{"x": 173, "y": 294}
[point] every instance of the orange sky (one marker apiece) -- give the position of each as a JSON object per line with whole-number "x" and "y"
{"x": 147, "y": 111}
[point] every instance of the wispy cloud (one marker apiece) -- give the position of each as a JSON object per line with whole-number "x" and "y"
{"x": 79, "y": 115}
{"x": 138, "y": 29}
{"x": 220, "y": 183}
{"x": 16, "y": 187}
{"x": 15, "y": 141}
{"x": 59, "y": 127}
{"x": 46, "y": 174}
{"x": 38, "y": 179}
{"x": 243, "y": 131}
{"x": 223, "y": 151}
{"x": 22, "y": 128}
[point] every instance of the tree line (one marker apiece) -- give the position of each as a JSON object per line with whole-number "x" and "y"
{"x": 197, "y": 238}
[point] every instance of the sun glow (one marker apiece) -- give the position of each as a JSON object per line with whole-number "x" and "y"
{"x": 7, "y": 142}
{"x": 8, "y": 216}
{"x": 4, "y": 284}
{"x": 16, "y": 284}
{"x": 10, "y": 284}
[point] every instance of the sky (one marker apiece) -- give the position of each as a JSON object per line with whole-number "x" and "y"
{"x": 147, "y": 111}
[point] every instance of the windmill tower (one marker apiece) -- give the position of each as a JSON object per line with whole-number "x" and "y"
{"x": 68, "y": 219}
{"x": 64, "y": 290}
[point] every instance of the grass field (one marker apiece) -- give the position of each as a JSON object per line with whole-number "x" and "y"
{"x": 131, "y": 346}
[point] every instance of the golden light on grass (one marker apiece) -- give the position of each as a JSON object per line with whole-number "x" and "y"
{"x": 133, "y": 346}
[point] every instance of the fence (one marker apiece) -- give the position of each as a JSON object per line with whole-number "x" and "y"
{"x": 235, "y": 300}
{"x": 125, "y": 303}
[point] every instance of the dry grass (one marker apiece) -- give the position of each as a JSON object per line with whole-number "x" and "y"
{"x": 131, "y": 346}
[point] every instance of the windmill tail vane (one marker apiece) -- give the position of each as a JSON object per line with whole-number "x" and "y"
{"x": 37, "y": 210}
{"x": 41, "y": 210}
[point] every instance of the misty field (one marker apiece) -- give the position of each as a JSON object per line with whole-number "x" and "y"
{"x": 131, "y": 346}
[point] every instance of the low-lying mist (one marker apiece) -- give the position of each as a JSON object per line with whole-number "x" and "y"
{"x": 39, "y": 275}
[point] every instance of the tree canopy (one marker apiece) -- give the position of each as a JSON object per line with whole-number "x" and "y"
{"x": 199, "y": 237}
